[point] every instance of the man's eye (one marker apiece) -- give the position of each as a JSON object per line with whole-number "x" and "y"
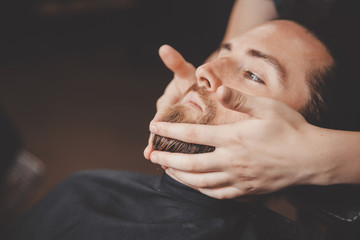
{"x": 253, "y": 77}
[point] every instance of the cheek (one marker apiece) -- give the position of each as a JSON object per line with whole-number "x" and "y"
{"x": 226, "y": 116}
{"x": 297, "y": 97}
{"x": 295, "y": 93}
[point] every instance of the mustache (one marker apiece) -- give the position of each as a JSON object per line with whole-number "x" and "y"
{"x": 180, "y": 114}
{"x": 203, "y": 93}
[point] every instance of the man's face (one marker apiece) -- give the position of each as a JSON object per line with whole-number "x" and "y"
{"x": 271, "y": 60}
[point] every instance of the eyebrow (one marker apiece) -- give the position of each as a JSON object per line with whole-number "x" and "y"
{"x": 226, "y": 46}
{"x": 271, "y": 60}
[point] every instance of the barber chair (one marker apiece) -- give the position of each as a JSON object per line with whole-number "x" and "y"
{"x": 332, "y": 211}
{"x": 20, "y": 173}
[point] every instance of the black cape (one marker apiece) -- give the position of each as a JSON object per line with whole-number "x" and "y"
{"x": 106, "y": 204}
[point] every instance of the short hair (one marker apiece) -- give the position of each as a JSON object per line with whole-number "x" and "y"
{"x": 335, "y": 23}
{"x": 317, "y": 110}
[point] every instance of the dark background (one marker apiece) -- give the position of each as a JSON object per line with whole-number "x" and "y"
{"x": 80, "y": 78}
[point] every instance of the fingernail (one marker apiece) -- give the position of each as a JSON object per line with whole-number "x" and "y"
{"x": 146, "y": 152}
{"x": 153, "y": 129}
{"x": 153, "y": 157}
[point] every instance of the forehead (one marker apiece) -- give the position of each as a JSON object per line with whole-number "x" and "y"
{"x": 286, "y": 40}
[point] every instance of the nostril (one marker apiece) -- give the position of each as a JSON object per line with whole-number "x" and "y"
{"x": 206, "y": 82}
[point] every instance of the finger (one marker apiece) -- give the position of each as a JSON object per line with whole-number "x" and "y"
{"x": 159, "y": 114}
{"x": 201, "y": 180}
{"x": 149, "y": 147}
{"x": 227, "y": 192}
{"x": 176, "y": 63}
{"x": 147, "y": 152}
{"x": 199, "y": 134}
{"x": 254, "y": 106}
{"x": 203, "y": 162}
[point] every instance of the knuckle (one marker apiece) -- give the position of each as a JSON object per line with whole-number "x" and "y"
{"x": 223, "y": 195}
{"x": 179, "y": 63}
{"x": 239, "y": 101}
{"x": 191, "y": 135}
{"x": 195, "y": 166}
{"x": 162, "y": 160}
{"x": 251, "y": 188}
{"x": 235, "y": 140}
{"x": 203, "y": 183}
{"x": 234, "y": 163}
{"x": 239, "y": 161}
{"x": 219, "y": 195}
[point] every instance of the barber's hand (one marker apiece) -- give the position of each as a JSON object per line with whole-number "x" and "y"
{"x": 267, "y": 152}
{"x": 184, "y": 77}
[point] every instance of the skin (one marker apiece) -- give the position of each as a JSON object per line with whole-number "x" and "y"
{"x": 295, "y": 50}
{"x": 230, "y": 177}
{"x": 328, "y": 156}
{"x": 246, "y": 14}
{"x": 241, "y": 19}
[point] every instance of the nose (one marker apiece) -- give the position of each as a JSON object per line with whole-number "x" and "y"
{"x": 210, "y": 75}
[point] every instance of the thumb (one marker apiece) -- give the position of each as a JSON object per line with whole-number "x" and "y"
{"x": 256, "y": 107}
{"x": 174, "y": 61}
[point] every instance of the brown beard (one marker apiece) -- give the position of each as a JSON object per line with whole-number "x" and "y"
{"x": 180, "y": 114}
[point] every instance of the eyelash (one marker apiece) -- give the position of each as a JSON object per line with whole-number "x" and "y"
{"x": 251, "y": 76}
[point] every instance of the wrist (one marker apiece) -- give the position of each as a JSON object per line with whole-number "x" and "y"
{"x": 318, "y": 164}
{"x": 330, "y": 156}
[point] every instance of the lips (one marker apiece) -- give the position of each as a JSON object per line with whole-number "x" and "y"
{"x": 193, "y": 100}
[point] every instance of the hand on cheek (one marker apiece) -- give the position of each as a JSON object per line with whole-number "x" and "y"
{"x": 258, "y": 155}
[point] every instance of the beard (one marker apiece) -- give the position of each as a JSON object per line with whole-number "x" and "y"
{"x": 181, "y": 114}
